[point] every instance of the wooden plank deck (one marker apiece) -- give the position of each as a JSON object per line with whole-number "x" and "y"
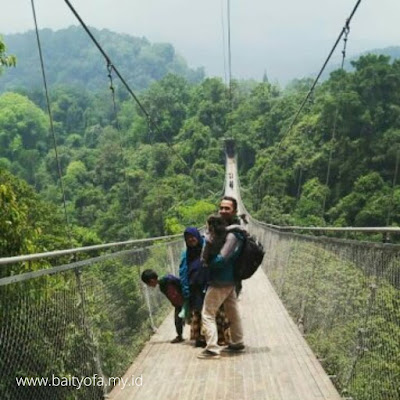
{"x": 277, "y": 364}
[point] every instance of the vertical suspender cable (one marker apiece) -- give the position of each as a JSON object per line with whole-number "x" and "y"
{"x": 81, "y": 291}
{"x": 396, "y": 171}
{"x": 51, "y": 121}
{"x": 223, "y": 41}
{"x": 328, "y": 172}
{"x": 107, "y": 58}
{"x": 342, "y": 32}
{"x": 109, "y": 68}
{"x": 229, "y": 63}
{"x": 299, "y": 183}
{"x": 229, "y": 54}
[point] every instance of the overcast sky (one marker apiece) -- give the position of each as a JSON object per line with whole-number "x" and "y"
{"x": 287, "y": 38}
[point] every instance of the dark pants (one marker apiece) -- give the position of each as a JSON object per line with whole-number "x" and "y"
{"x": 196, "y": 297}
{"x": 178, "y": 321}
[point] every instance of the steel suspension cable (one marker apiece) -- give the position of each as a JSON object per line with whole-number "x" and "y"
{"x": 77, "y": 273}
{"x": 223, "y": 41}
{"x": 229, "y": 50}
{"x": 343, "y": 31}
{"x": 117, "y": 126}
{"x": 333, "y": 138}
{"x": 230, "y": 61}
{"x": 109, "y": 62}
{"x": 49, "y": 111}
{"x": 396, "y": 171}
{"x": 107, "y": 58}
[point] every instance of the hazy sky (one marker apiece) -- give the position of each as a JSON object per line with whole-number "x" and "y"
{"x": 287, "y": 38}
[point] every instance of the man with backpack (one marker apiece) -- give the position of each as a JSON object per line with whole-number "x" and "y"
{"x": 221, "y": 289}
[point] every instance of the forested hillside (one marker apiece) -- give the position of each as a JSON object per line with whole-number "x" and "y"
{"x": 72, "y": 59}
{"x": 393, "y": 52}
{"x": 354, "y": 116}
{"x": 123, "y": 180}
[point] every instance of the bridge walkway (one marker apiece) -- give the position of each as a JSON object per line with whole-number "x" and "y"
{"x": 277, "y": 364}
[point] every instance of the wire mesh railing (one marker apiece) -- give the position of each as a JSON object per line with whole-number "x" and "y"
{"x": 345, "y": 297}
{"x": 78, "y": 325}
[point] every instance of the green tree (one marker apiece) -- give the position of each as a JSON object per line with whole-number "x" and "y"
{"x": 139, "y": 61}
{"x": 166, "y": 101}
{"x": 366, "y": 205}
{"x": 6, "y": 60}
{"x": 23, "y": 134}
{"x": 194, "y": 213}
{"x": 309, "y": 208}
{"x": 27, "y": 224}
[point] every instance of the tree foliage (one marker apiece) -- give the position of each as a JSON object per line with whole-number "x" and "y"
{"x": 138, "y": 60}
{"x": 6, "y": 60}
{"x": 124, "y": 178}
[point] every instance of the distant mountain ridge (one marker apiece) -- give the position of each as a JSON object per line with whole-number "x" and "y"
{"x": 392, "y": 51}
{"x": 72, "y": 59}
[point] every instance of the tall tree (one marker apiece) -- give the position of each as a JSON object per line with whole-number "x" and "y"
{"x": 6, "y": 60}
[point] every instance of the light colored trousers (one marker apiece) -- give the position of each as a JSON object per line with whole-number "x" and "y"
{"x": 215, "y": 297}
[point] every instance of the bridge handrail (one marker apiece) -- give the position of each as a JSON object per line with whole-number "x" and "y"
{"x": 378, "y": 229}
{"x": 242, "y": 208}
{"x": 56, "y": 253}
{"x": 70, "y": 266}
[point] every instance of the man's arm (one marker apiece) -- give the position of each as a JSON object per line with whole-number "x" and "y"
{"x": 227, "y": 251}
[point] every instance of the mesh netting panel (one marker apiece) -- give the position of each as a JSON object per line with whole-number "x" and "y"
{"x": 344, "y": 296}
{"x": 81, "y": 326}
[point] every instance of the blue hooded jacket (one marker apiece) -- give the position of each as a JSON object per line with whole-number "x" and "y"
{"x": 190, "y": 269}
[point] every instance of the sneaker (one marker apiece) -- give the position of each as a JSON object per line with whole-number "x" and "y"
{"x": 232, "y": 348}
{"x": 178, "y": 339}
{"x": 207, "y": 354}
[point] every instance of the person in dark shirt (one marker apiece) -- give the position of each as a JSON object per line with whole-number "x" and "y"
{"x": 170, "y": 286}
{"x": 221, "y": 288}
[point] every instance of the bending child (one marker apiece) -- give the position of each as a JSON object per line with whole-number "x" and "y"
{"x": 170, "y": 286}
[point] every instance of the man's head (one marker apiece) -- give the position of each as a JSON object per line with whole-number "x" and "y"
{"x": 228, "y": 208}
{"x": 150, "y": 277}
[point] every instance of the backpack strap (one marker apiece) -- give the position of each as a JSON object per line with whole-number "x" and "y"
{"x": 236, "y": 228}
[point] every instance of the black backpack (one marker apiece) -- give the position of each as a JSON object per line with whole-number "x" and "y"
{"x": 250, "y": 258}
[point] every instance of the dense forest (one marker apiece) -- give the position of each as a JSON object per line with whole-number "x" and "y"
{"x": 124, "y": 179}
{"x": 74, "y": 60}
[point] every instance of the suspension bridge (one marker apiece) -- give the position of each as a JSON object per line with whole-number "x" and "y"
{"x": 321, "y": 316}
{"x": 317, "y": 302}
